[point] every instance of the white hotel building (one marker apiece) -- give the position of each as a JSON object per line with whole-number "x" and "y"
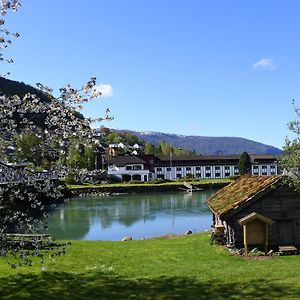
{"x": 148, "y": 167}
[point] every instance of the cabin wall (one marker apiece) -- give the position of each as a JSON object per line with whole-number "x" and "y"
{"x": 283, "y": 207}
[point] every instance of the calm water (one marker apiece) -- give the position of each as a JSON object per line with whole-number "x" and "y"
{"x": 138, "y": 215}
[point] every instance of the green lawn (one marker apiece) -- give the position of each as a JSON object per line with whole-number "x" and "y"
{"x": 177, "y": 268}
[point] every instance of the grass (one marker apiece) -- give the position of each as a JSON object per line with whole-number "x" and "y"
{"x": 126, "y": 184}
{"x": 177, "y": 268}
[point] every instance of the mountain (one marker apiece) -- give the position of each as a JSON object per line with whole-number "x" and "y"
{"x": 206, "y": 145}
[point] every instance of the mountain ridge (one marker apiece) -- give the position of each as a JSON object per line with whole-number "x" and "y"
{"x": 206, "y": 145}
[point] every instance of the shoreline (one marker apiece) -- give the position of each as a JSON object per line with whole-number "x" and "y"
{"x": 133, "y": 189}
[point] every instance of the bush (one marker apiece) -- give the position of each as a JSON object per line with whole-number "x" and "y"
{"x": 234, "y": 177}
{"x": 70, "y": 178}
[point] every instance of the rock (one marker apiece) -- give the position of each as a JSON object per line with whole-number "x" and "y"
{"x": 270, "y": 253}
{"x": 188, "y": 232}
{"x": 254, "y": 250}
{"x": 126, "y": 238}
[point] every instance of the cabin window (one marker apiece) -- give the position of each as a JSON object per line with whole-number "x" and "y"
{"x": 128, "y": 168}
{"x": 207, "y": 174}
{"x": 272, "y": 167}
{"x": 255, "y": 167}
{"x": 198, "y": 168}
{"x": 188, "y": 168}
{"x": 158, "y": 169}
{"x": 217, "y": 168}
{"x": 169, "y": 169}
{"x": 227, "y": 174}
{"x": 226, "y": 168}
{"x": 207, "y": 169}
{"x": 217, "y": 174}
{"x": 178, "y": 169}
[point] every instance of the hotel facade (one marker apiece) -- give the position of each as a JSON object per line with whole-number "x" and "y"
{"x": 149, "y": 167}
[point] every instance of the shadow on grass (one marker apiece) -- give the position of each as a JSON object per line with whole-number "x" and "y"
{"x": 101, "y": 286}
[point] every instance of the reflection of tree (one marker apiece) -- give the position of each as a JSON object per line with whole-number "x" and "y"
{"x": 75, "y": 219}
{"x": 66, "y": 223}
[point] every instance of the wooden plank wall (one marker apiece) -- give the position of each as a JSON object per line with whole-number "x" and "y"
{"x": 281, "y": 205}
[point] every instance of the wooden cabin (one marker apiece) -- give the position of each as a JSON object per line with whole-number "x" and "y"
{"x": 257, "y": 211}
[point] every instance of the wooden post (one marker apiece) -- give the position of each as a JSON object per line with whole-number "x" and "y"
{"x": 267, "y": 239}
{"x": 245, "y": 239}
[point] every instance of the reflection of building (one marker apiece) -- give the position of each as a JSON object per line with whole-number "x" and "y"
{"x": 175, "y": 167}
{"x": 128, "y": 168}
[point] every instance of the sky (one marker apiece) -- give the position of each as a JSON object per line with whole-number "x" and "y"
{"x": 191, "y": 67}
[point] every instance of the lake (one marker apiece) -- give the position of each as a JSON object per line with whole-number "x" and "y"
{"x": 136, "y": 215}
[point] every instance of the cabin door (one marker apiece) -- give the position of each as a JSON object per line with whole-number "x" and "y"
{"x": 285, "y": 232}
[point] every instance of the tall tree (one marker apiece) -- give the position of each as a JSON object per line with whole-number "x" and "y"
{"x": 244, "y": 164}
{"x": 289, "y": 162}
{"x": 56, "y": 120}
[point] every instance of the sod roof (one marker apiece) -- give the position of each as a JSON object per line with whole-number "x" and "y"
{"x": 239, "y": 192}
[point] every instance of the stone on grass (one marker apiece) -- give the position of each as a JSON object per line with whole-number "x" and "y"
{"x": 188, "y": 232}
{"x": 126, "y": 238}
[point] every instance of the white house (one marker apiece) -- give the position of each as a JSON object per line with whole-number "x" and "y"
{"x": 127, "y": 168}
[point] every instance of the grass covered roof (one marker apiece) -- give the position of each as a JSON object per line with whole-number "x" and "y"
{"x": 240, "y": 191}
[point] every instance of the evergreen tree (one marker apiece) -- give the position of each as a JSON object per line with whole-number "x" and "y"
{"x": 244, "y": 164}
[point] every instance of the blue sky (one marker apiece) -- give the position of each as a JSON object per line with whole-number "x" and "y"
{"x": 209, "y": 68}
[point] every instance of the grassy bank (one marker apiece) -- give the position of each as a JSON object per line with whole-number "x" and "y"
{"x": 202, "y": 182}
{"x": 176, "y": 268}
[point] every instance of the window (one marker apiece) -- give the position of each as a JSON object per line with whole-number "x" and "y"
{"x": 272, "y": 167}
{"x": 137, "y": 168}
{"x": 207, "y": 169}
{"x": 168, "y": 169}
{"x": 227, "y": 174}
{"x": 188, "y": 168}
{"x": 236, "y": 167}
{"x": 217, "y": 174}
{"x": 198, "y": 175}
{"x": 264, "y": 173}
{"x": 255, "y": 167}
{"x": 178, "y": 169}
{"x": 128, "y": 168}
{"x": 273, "y": 173}
{"x": 178, "y": 176}
{"x": 160, "y": 176}
{"x": 226, "y": 168}
{"x": 217, "y": 168}
{"x": 158, "y": 169}
{"x": 198, "y": 168}
{"x": 264, "y": 167}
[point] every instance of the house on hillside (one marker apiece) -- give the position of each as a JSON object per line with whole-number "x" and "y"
{"x": 127, "y": 168}
{"x": 257, "y": 211}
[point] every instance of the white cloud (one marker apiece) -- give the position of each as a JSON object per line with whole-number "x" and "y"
{"x": 264, "y": 64}
{"x": 105, "y": 89}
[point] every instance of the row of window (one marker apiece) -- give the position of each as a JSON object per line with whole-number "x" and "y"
{"x": 217, "y": 168}
{"x": 128, "y": 168}
{"x": 179, "y": 169}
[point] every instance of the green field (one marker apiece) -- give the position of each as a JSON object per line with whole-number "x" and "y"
{"x": 186, "y": 267}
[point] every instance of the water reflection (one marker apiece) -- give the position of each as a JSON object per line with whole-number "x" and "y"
{"x": 138, "y": 215}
